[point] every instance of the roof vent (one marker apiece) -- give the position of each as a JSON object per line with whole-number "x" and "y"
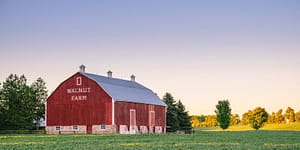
{"x": 109, "y": 74}
{"x": 82, "y": 68}
{"x": 132, "y": 78}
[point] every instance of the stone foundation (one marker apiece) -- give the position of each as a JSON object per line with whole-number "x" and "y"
{"x": 104, "y": 129}
{"x": 123, "y": 129}
{"x": 66, "y": 130}
{"x": 81, "y": 129}
{"x": 158, "y": 129}
{"x": 143, "y": 129}
{"x": 107, "y": 130}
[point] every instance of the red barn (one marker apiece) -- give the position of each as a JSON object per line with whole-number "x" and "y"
{"x": 89, "y": 103}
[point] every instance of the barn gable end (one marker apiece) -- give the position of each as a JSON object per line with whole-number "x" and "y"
{"x": 78, "y": 101}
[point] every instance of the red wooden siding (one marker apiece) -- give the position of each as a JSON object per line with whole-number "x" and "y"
{"x": 95, "y": 108}
{"x": 122, "y": 114}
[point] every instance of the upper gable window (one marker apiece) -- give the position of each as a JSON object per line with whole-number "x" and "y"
{"x": 78, "y": 81}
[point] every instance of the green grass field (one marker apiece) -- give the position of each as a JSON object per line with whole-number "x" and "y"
{"x": 201, "y": 139}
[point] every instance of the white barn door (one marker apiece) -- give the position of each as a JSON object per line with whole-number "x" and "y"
{"x": 132, "y": 128}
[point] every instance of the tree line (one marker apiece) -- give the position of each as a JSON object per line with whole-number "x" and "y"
{"x": 287, "y": 116}
{"x": 21, "y": 105}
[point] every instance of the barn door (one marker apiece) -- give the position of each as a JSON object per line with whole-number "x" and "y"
{"x": 151, "y": 121}
{"x": 132, "y": 128}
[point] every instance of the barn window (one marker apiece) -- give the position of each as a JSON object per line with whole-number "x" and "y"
{"x": 102, "y": 126}
{"x": 75, "y": 128}
{"x": 78, "y": 81}
{"x": 57, "y": 128}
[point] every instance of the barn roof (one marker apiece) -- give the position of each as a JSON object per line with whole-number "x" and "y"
{"x": 127, "y": 91}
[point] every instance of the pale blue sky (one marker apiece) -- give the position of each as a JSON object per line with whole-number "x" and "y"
{"x": 200, "y": 51}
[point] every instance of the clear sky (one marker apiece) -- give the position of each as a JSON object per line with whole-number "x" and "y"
{"x": 200, "y": 51}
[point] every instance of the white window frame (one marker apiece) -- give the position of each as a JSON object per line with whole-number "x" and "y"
{"x": 78, "y": 80}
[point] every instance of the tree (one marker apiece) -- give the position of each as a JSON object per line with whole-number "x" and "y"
{"x": 172, "y": 118}
{"x": 177, "y": 116}
{"x": 289, "y": 115}
{"x": 258, "y": 117}
{"x": 195, "y": 121}
{"x": 198, "y": 121}
{"x": 211, "y": 121}
{"x": 18, "y": 104}
{"x": 223, "y": 112}
{"x": 279, "y": 117}
{"x": 201, "y": 118}
{"x": 297, "y": 116}
{"x": 183, "y": 117}
{"x": 2, "y": 107}
{"x": 17, "y": 113}
{"x": 234, "y": 119}
{"x": 245, "y": 119}
{"x": 39, "y": 87}
{"x": 272, "y": 118}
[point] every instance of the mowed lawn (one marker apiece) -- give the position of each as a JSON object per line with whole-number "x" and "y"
{"x": 199, "y": 140}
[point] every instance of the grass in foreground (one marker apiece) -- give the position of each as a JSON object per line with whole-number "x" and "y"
{"x": 199, "y": 140}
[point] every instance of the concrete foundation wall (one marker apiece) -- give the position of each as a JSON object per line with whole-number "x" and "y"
{"x": 141, "y": 130}
{"x": 108, "y": 129}
{"x": 81, "y": 129}
{"x": 100, "y": 129}
{"x": 66, "y": 130}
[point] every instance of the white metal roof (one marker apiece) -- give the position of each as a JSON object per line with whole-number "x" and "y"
{"x": 125, "y": 90}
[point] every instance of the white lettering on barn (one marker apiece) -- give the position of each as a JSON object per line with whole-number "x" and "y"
{"x": 79, "y": 98}
{"x": 78, "y": 90}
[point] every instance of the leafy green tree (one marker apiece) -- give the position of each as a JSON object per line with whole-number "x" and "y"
{"x": 289, "y": 115}
{"x": 223, "y": 112}
{"x": 2, "y": 107}
{"x": 183, "y": 117}
{"x": 19, "y": 103}
{"x": 41, "y": 93}
{"x": 17, "y": 113}
{"x": 172, "y": 118}
{"x": 258, "y": 117}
